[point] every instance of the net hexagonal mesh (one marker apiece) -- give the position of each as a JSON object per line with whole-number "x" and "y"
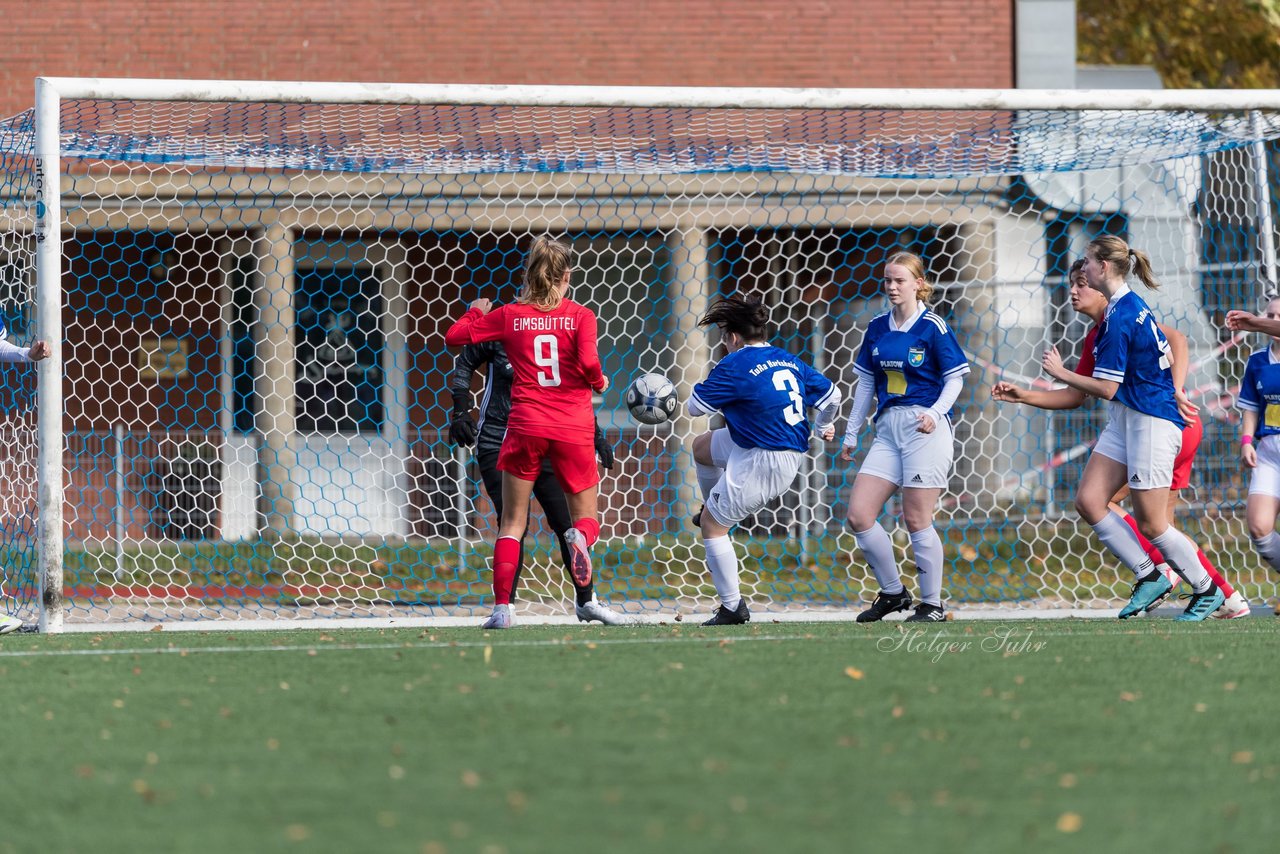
{"x": 255, "y": 378}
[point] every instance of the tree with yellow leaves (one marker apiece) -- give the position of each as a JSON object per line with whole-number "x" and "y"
{"x": 1193, "y": 44}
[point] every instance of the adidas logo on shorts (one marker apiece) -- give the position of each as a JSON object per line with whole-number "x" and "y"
{"x": 1135, "y": 479}
{"x": 917, "y": 479}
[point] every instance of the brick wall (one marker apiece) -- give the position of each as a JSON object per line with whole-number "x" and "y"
{"x": 826, "y": 43}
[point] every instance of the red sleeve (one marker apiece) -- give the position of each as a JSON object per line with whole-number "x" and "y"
{"x": 1084, "y": 367}
{"x": 474, "y": 327}
{"x": 589, "y": 351}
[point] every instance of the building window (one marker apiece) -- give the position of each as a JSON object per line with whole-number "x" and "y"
{"x": 339, "y": 349}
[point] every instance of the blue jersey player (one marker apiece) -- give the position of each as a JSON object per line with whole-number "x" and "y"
{"x": 1259, "y": 403}
{"x": 9, "y": 352}
{"x": 911, "y": 366}
{"x": 764, "y": 394}
{"x": 1132, "y": 370}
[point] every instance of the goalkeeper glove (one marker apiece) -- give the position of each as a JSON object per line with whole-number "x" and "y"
{"x": 604, "y": 450}
{"x": 462, "y": 429}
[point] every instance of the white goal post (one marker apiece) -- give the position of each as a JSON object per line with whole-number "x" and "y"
{"x": 244, "y": 417}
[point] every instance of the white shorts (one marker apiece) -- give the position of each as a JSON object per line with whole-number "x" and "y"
{"x": 1266, "y": 477}
{"x": 1148, "y": 446}
{"x": 752, "y": 478}
{"x": 903, "y": 455}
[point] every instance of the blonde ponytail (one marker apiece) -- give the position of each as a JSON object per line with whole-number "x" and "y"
{"x": 545, "y": 265}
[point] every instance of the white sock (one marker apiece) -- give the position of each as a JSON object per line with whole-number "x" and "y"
{"x": 926, "y": 545}
{"x": 722, "y": 560}
{"x": 877, "y": 549}
{"x": 1167, "y": 572}
{"x": 1118, "y": 537}
{"x": 708, "y": 477}
{"x": 1269, "y": 548}
{"x": 1181, "y": 555}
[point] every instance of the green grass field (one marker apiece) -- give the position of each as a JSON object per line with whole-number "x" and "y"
{"x": 1045, "y": 736}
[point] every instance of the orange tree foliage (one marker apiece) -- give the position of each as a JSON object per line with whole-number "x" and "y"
{"x": 1193, "y": 44}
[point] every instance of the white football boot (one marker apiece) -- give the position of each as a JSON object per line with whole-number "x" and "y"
{"x": 1233, "y": 608}
{"x": 598, "y": 612}
{"x": 502, "y": 618}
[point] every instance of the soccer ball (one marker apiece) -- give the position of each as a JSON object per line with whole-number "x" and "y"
{"x": 651, "y": 399}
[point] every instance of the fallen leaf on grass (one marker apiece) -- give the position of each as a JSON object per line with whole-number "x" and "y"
{"x": 853, "y": 673}
{"x": 1069, "y": 822}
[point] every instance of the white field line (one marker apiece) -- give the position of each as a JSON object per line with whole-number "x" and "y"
{"x": 1016, "y": 635}
{"x": 654, "y": 619}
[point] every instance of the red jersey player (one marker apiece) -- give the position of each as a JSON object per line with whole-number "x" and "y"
{"x": 551, "y": 344}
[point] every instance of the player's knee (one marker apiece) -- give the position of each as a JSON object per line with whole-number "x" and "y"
{"x": 1258, "y": 529}
{"x": 1090, "y": 508}
{"x": 1152, "y": 528}
{"x": 916, "y": 519}
{"x": 711, "y": 529}
{"x": 702, "y": 449}
{"x": 859, "y": 520}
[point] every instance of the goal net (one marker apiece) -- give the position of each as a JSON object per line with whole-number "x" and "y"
{"x": 248, "y": 285}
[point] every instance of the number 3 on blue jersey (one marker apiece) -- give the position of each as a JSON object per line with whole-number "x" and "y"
{"x": 784, "y": 380}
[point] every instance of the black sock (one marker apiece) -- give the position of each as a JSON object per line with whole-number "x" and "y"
{"x": 583, "y": 595}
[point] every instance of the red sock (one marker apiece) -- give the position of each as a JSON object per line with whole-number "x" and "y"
{"x": 506, "y": 556}
{"x": 590, "y": 529}
{"x": 1218, "y": 580}
{"x": 1147, "y": 546}
{"x": 515, "y": 582}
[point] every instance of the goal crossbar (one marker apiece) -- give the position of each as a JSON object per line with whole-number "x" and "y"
{"x": 451, "y": 94}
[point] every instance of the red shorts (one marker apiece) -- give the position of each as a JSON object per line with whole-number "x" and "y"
{"x": 1191, "y": 435}
{"x": 575, "y": 465}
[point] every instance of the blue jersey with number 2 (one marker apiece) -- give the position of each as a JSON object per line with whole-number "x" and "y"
{"x": 764, "y": 394}
{"x": 1131, "y": 350}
